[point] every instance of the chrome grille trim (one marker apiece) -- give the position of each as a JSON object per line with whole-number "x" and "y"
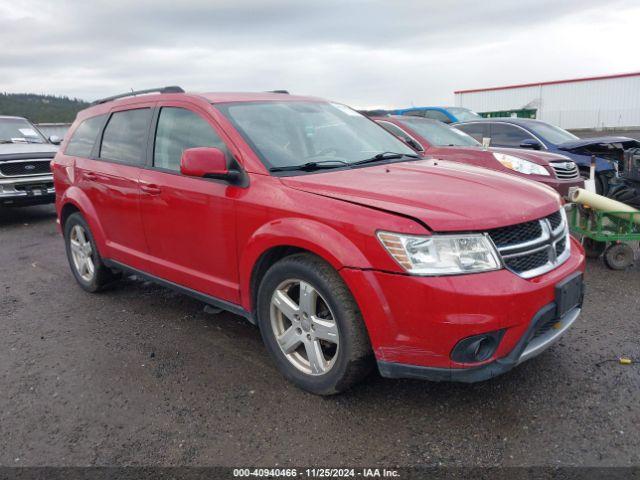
{"x": 29, "y": 161}
{"x": 565, "y": 170}
{"x": 546, "y": 241}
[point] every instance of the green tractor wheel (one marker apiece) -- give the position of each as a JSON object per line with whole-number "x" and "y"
{"x": 619, "y": 256}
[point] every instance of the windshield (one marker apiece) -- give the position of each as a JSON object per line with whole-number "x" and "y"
{"x": 463, "y": 114}
{"x": 19, "y": 130}
{"x": 439, "y": 134}
{"x": 551, "y": 133}
{"x": 293, "y": 133}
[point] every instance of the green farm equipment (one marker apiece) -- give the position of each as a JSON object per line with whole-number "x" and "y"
{"x": 614, "y": 234}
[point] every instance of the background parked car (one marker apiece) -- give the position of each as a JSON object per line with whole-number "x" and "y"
{"x": 439, "y": 140}
{"x": 538, "y": 135}
{"x": 25, "y": 155}
{"x": 442, "y": 114}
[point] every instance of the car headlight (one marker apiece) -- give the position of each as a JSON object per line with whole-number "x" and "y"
{"x": 441, "y": 254}
{"x": 520, "y": 164}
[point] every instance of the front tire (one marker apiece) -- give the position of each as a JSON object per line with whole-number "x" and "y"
{"x": 85, "y": 261}
{"x": 311, "y": 325}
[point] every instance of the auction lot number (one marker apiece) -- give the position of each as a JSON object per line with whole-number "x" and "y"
{"x": 315, "y": 472}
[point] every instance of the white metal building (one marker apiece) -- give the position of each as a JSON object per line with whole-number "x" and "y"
{"x": 611, "y": 101}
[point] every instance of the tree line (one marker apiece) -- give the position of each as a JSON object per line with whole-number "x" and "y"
{"x": 41, "y": 108}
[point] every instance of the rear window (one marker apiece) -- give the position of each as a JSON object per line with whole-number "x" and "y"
{"x": 439, "y": 134}
{"x": 125, "y": 137}
{"x": 476, "y": 130}
{"x": 464, "y": 114}
{"x": 84, "y": 138}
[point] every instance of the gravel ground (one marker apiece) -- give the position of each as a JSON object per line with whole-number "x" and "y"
{"x": 140, "y": 375}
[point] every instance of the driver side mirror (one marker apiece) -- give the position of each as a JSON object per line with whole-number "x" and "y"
{"x": 530, "y": 143}
{"x": 56, "y": 140}
{"x": 207, "y": 162}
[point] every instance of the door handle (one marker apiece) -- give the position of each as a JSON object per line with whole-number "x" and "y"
{"x": 150, "y": 188}
{"x": 91, "y": 176}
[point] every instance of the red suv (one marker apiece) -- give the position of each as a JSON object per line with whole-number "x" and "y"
{"x": 329, "y": 233}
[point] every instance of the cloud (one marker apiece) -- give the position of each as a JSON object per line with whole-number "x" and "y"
{"x": 365, "y": 53}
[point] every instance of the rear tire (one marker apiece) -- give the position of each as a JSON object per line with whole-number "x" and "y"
{"x": 311, "y": 325}
{"x": 602, "y": 185}
{"x": 619, "y": 256}
{"x": 86, "y": 264}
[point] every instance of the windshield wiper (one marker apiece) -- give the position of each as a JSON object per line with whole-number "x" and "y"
{"x": 310, "y": 166}
{"x": 385, "y": 156}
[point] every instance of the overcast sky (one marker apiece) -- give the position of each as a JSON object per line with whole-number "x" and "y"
{"x": 363, "y": 53}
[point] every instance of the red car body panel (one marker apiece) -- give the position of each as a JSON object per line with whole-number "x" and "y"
{"x": 415, "y": 189}
{"x": 484, "y": 158}
{"x": 209, "y": 236}
{"x": 418, "y": 320}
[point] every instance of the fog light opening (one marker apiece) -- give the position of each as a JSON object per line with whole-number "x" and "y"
{"x": 477, "y": 348}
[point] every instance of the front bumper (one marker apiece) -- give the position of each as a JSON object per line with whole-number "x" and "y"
{"x": 414, "y": 323}
{"x": 20, "y": 191}
{"x": 527, "y": 348}
{"x": 563, "y": 186}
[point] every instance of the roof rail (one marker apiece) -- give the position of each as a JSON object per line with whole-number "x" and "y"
{"x": 286, "y": 92}
{"x": 132, "y": 93}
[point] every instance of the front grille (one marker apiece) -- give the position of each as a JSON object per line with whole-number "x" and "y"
{"x": 565, "y": 170}
{"x": 555, "y": 219}
{"x": 532, "y": 248}
{"x": 545, "y": 327}
{"x": 24, "y": 168}
{"x": 505, "y": 236}
{"x": 26, "y": 187}
{"x": 525, "y": 263}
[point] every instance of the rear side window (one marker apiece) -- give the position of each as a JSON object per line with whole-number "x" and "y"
{"x": 476, "y": 130}
{"x": 177, "y": 130}
{"x": 437, "y": 115}
{"x": 84, "y": 138}
{"x": 507, "y": 135}
{"x": 125, "y": 136}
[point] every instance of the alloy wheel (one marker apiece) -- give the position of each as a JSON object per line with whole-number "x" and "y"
{"x": 81, "y": 253}
{"x": 304, "y": 327}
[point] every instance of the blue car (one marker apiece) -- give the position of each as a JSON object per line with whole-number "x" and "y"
{"x": 539, "y": 135}
{"x": 442, "y": 114}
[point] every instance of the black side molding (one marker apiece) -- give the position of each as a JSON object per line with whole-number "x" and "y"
{"x": 203, "y": 297}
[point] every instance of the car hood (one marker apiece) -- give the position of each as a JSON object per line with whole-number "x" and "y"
{"x": 445, "y": 196}
{"x": 587, "y": 142}
{"x": 19, "y": 150}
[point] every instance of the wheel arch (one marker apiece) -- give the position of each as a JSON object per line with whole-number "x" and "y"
{"x": 75, "y": 200}
{"x": 279, "y": 239}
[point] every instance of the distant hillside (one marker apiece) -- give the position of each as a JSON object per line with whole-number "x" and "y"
{"x": 41, "y": 108}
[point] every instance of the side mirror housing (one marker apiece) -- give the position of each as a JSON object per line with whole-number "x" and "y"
{"x": 56, "y": 140}
{"x": 207, "y": 162}
{"x": 530, "y": 143}
{"x": 414, "y": 144}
